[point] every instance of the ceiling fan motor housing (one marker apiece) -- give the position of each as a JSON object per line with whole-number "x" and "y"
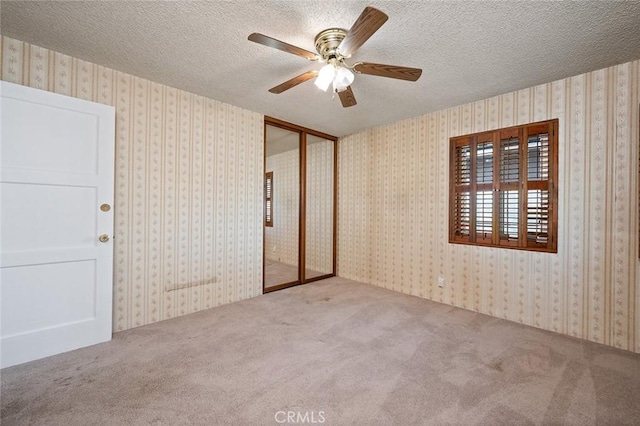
{"x": 327, "y": 43}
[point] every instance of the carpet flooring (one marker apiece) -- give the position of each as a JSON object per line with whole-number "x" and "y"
{"x": 334, "y": 352}
{"x": 276, "y": 273}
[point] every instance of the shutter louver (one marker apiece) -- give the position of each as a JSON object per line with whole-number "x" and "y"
{"x": 484, "y": 153}
{"x": 268, "y": 199}
{"x": 538, "y": 189}
{"x": 462, "y": 217}
{"x": 537, "y": 217}
{"x": 509, "y": 160}
{"x": 463, "y": 165}
{"x": 509, "y": 218}
{"x": 538, "y": 157}
{"x": 484, "y": 191}
{"x": 484, "y": 215}
{"x": 461, "y": 182}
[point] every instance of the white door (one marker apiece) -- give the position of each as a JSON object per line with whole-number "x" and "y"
{"x": 56, "y": 199}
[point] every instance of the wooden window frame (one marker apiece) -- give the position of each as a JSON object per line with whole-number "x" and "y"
{"x": 467, "y": 185}
{"x": 268, "y": 199}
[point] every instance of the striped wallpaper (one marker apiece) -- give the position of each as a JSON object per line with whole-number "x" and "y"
{"x": 188, "y": 185}
{"x": 393, "y": 211}
{"x": 189, "y": 174}
{"x": 319, "y": 224}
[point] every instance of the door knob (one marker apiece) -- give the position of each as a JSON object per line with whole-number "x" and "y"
{"x": 103, "y": 238}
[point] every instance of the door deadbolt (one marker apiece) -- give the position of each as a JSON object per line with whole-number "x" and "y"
{"x": 103, "y": 238}
{"x": 105, "y": 207}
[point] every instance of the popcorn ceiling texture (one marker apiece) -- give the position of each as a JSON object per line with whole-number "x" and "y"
{"x": 468, "y": 50}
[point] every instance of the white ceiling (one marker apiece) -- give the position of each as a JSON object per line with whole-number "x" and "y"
{"x": 467, "y": 50}
{"x": 279, "y": 140}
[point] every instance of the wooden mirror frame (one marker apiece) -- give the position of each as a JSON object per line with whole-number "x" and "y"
{"x": 303, "y": 131}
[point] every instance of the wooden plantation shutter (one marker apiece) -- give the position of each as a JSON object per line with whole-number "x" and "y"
{"x": 460, "y": 194}
{"x": 268, "y": 199}
{"x": 539, "y": 185}
{"x": 483, "y": 186}
{"x": 502, "y": 189}
{"x": 508, "y": 189}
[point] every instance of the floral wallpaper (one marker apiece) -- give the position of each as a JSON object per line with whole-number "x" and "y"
{"x": 393, "y": 211}
{"x": 188, "y": 185}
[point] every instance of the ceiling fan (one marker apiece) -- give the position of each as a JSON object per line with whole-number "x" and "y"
{"x": 334, "y": 45}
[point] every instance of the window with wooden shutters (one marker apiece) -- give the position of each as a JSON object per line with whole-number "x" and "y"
{"x": 268, "y": 199}
{"x": 502, "y": 188}
{"x": 461, "y": 198}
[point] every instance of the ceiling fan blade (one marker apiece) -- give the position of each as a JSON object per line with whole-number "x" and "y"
{"x": 347, "y": 97}
{"x": 391, "y": 71}
{"x": 367, "y": 23}
{"x": 294, "y": 82}
{"x": 281, "y": 45}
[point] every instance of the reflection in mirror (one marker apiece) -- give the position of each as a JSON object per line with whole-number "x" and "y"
{"x": 282, "y": 206}
{"x": 319, "y": 207}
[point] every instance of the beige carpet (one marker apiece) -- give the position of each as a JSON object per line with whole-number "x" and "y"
{"x": 344, "y": 352}
{"x": 276, "y": 273}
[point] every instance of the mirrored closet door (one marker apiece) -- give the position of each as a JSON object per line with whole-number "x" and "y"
{"x": 319, "y": 242}
{"x": 282, "y": 207}
{"x": 299, "y": 205}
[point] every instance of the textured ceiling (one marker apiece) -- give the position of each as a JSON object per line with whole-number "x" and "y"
{"x": 279, "y": 140}
{"x": 467, "y": 50}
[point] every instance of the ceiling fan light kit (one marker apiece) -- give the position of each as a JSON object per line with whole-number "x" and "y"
{"x": 325, "y": 77}
{"x": 334, "y": 45}
{"x": 343, "y": 79}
